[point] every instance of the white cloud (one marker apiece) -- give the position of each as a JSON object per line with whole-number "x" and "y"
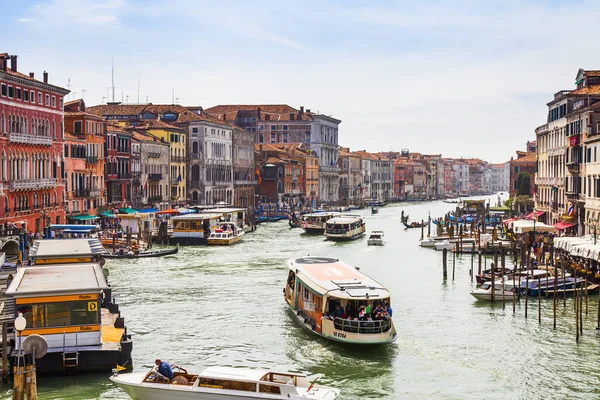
{"x": 24, "y": 20}
{"x": 81, "y": 12}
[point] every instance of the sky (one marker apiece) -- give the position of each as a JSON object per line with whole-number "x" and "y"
{"x": 460, "y": 78}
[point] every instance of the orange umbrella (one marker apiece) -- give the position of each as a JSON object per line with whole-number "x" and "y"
{"x": 169, "y": 211}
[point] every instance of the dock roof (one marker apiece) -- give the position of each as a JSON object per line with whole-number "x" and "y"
{"x": 63, "y": 279}
{"x": 335, "y": 278}
{"x": 65, "y": 248}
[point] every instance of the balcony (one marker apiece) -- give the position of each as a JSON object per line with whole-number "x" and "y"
{"x": 244, "y": 183}
{"x": 123, "y": 149}
{"x": 154, "y": 177}
{"x": 95, "y": 192}
{"x": 153, "y": 155}
{"x": 81, "y": 193}
{"x": 26, "y": 138}
{"x": 195, "y": 156}
{"x": 573, "y": 168}
{"x": 572, "y": 195}
{"x": 330, "y": 169}
{"x": 174, "y": 181}
{"x": 33, "y": 184}
{"x": 124, "y": 175}
{"x": 91, "y": 160}
{"x": 177, "y": 159}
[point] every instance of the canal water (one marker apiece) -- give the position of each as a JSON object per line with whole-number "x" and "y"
{"x": 224, "y": 306}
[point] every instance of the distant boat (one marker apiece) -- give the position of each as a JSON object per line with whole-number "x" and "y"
{"x": 347, "y": 227}
{"x": 375, "y": 238}
{"x": 414, "y": 224}
{"x": 144, "y": 254}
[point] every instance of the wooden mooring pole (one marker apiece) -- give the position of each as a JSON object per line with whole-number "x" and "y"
{"x": 472, "y": 260}
{"x": 540, "y": 300}
{"x": 19, "y": 383}
{"x": 526, "y": 294}
{"x": 444, "y": 261}
{"x": 4, "y": 352}
{"x": 31, "y": 382}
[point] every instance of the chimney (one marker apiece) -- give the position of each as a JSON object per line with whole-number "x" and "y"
{"x": 258, "y": 114}
{"x": 224, "y": 116}
{"x": 32, "y": 75}
{"x": 301, "y": 110}
{"x": 45, "y": 77}
{"x": 308, "y": 110}
{"x": 3, "y": 64}
{"x": 13, "y": 63}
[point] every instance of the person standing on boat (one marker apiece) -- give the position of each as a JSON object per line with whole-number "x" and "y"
{"x": 164, "y": 368}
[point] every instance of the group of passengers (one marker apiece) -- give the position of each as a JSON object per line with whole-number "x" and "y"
{"x": 380, "y": 312}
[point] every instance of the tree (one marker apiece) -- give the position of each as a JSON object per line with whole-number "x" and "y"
{"x": 524, "y": 184}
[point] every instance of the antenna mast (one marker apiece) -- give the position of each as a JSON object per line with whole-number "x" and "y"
{"x": 112, "y": 72}
{"x": 138, "y": 98}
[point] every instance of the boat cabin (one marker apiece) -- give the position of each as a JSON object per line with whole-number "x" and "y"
{"x": 316, "y": 221}
{"x": 346, "y": 227}
{"x": 193, "y": 228}
{"x": 70, "y": 231}
{"x": 138, "y": 222}
{"x": 237, "y": 215}
{"x": 338, "y": 301}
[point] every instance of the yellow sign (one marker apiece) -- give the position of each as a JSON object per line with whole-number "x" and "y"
{"x": 62, "y": 260}
{"x": 92, "y": 306}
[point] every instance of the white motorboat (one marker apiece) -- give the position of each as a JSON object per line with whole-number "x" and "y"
{"x": 375, "y": 238}
{"x": 502, "y": 291}
{"x": 348, "y": 227}
{"x": 445, "y": 244}
{"x": 222, "y": 383}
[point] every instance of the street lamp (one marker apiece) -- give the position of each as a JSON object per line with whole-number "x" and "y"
{"x": 593, "y": 224}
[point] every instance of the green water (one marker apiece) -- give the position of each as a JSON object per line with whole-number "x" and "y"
{"x": 224, "y": 306}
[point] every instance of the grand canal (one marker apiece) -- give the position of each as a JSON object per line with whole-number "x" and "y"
{"x": 224, "y": 306}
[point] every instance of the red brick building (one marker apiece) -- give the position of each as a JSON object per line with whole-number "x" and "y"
{"x": 31, "y": 147}
{"x": 524, "y": 163}
{"x": 118, "y": 166}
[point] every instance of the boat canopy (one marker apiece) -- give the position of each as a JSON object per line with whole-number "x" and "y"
{"x": 127, "y": 210}
{"x": 335, "y": 278}
{"x": 107, "y": 214}
{"x": 196, "y": 217}
{"x": 65, "y": 248}
{"x": 83, "y": 217}
{"x": 73, "y": 227}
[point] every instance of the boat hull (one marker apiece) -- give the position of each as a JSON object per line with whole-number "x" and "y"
{"x": 375, "y": 242}
{"x": 339, "y": 238}
{"x": 224, "y": 242}
{"x": 187, "y": 241}
{"x": 507, "y": 296}
{"x": 314, "y": 231}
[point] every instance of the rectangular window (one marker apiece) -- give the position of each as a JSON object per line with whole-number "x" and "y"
{"x": 261, "y": 138}
{"x": 194, "y": 130}
{"x": 273, "y": 138}
{"x": 515, "y": 170}
{"x": 47, "y": 99}
{"x": 4, "y": 90}
{"x": 77, "y": 127}
{"x": 32, "y": 96}
{"x": 53, "y": 101}
{"x": 57, "y": 314}
{"x": 285, "y": 127}
{"x": 40, "y": 98}
{"x": 285, "y": 137}
{"x": 62, "y": 103}
{"x": 11, "y": 92}
{"x": 262, "y": 128}
{"x": 25, "y": 95}
{"x": 307, "y": 137}
{"x": 272, "y": 127}
{"x": 18, "y": 94}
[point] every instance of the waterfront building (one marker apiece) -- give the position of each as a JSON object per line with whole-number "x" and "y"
{"x": 280, "y": 123}
{"x": 350, "y": 176}
{"x": 365, "y": 166}
{"x": 522, "y": 169}
{"x": 244, "y": 166}
{"x": 136, "y": 173}
{"x": 399, "y": 179}
{"x": 154, "y": 173}
{"x": 118, "y": 166}
{"x": 448, "y": 177}
{"x": 31, "y": 147}
{"x": 499, "y": 177}
{"x": 280, "y": 179}
{"x": 382, "y": 175}
{"x": 460, "y": 177}
{"x": 85, "y": 187}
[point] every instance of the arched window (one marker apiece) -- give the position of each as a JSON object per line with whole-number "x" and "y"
{"x": 195, "y": 172}
{"x": 195, "y": 147}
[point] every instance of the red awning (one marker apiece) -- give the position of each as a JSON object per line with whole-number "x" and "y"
{"x": 563, "y": 225}
{"x": 508, "y": 221}
{"x": 535, "y": 214}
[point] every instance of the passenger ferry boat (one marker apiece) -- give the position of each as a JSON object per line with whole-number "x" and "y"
{"x": 223, "y": 383}
{"x": 193, "y": 229}
{"x": 64, "y": 297}
{"x": 237, "y": 215}
{"x": 348, "y": 227}
{"x": 315, "y": 222}
{"x": 225, "y": 233}
{"x": 331, "y": 298}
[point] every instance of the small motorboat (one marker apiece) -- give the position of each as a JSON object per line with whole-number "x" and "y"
{"x": 144, "y": 254}
{"x": 226, "y": 233}
{"x": 375, "y": 238}
{"x": 445, "y": 244}
{"x": 502, "y": 291}
{"x": 222, "y": 383}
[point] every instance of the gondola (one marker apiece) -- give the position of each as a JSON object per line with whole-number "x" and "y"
{"x": 374, "y": 210}
{"x": 294, "y": 223}
{"x": 415, "y": 225}
{"x": 144, "y": 254}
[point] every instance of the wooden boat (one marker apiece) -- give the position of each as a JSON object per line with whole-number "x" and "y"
{"x": 294, "y": 223}
{"x": 193, "y": 229}
{"x": 144, "y": 254}
{"x": 316, "y": 286}
{"x": 348, "y": 227}
{"x": 375, "y": 238}
{"x": 374, "y": 210}
{"x": 223, "y": 383}
{"x": 226, "y": 233}
{"x": 415, "y": 224}
{"x": 486, "y": 275}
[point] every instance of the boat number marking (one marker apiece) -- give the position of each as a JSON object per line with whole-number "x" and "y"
{"x": 340, "y": 335}
{"x": 85, "y": 297}
{"x": 92, "y": 306}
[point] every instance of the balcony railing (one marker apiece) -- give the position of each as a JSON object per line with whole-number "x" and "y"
{"x": 32, "y": 184}
{"x": 572, "y": 195}
{"x": 95, "y": 192}
{"x": 124, "y": 175}
{"x": 196, "y": 184}
{"x": 174, "y": 181}
{"x": 81, "y": 193}
{"x": 244, "y": 182}
{"x": 155, "y": 177}
{"x": 153, "y": 155}
{"x": 573, "y": 168}
{"x": 177, "y": 159}
{"x": 195, "y": 156}
{"x": 328, "y": 168}
{"x": 123, "y": 149}
{"x": 91, "y": 160}
{"x": 26, "y": 138}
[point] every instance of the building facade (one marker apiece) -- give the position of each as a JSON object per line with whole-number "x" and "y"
{"x": 244, "y": 166}
{"x": 155, "y": 158}
{"x": 118, "y": 166}
{"x": 31, "y": 147}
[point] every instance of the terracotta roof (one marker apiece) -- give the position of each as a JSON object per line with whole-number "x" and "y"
{"x": 27, "y": 77}
{"x": 593, "y": 73}
{"x": 70, "y": 103}
{"x": 83, "y": 114}
{"x": 184, "y": 115}
{"x": 115, "y": 128}
{"x": 143, "y": 137}
{"x": 587, "y": 90}
{"x": 156, "y": 124}
{"x": 529, "y": 158}
{"x": 68, "y": 136}
{"x": 276, "y": 112}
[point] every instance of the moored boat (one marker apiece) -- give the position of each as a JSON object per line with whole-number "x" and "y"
{"x": 144, "y": 254}
{"x": 225, "y": 233}
{"x": 502, "y": 291}
{"x": 444, "y": 245}
{"x": 193, "y": 229}
{"x": 223, "y": 383}
{"x": 338, "y": 302}
{"x": 347, "y": 227}
{"x": 414, "y": 224}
